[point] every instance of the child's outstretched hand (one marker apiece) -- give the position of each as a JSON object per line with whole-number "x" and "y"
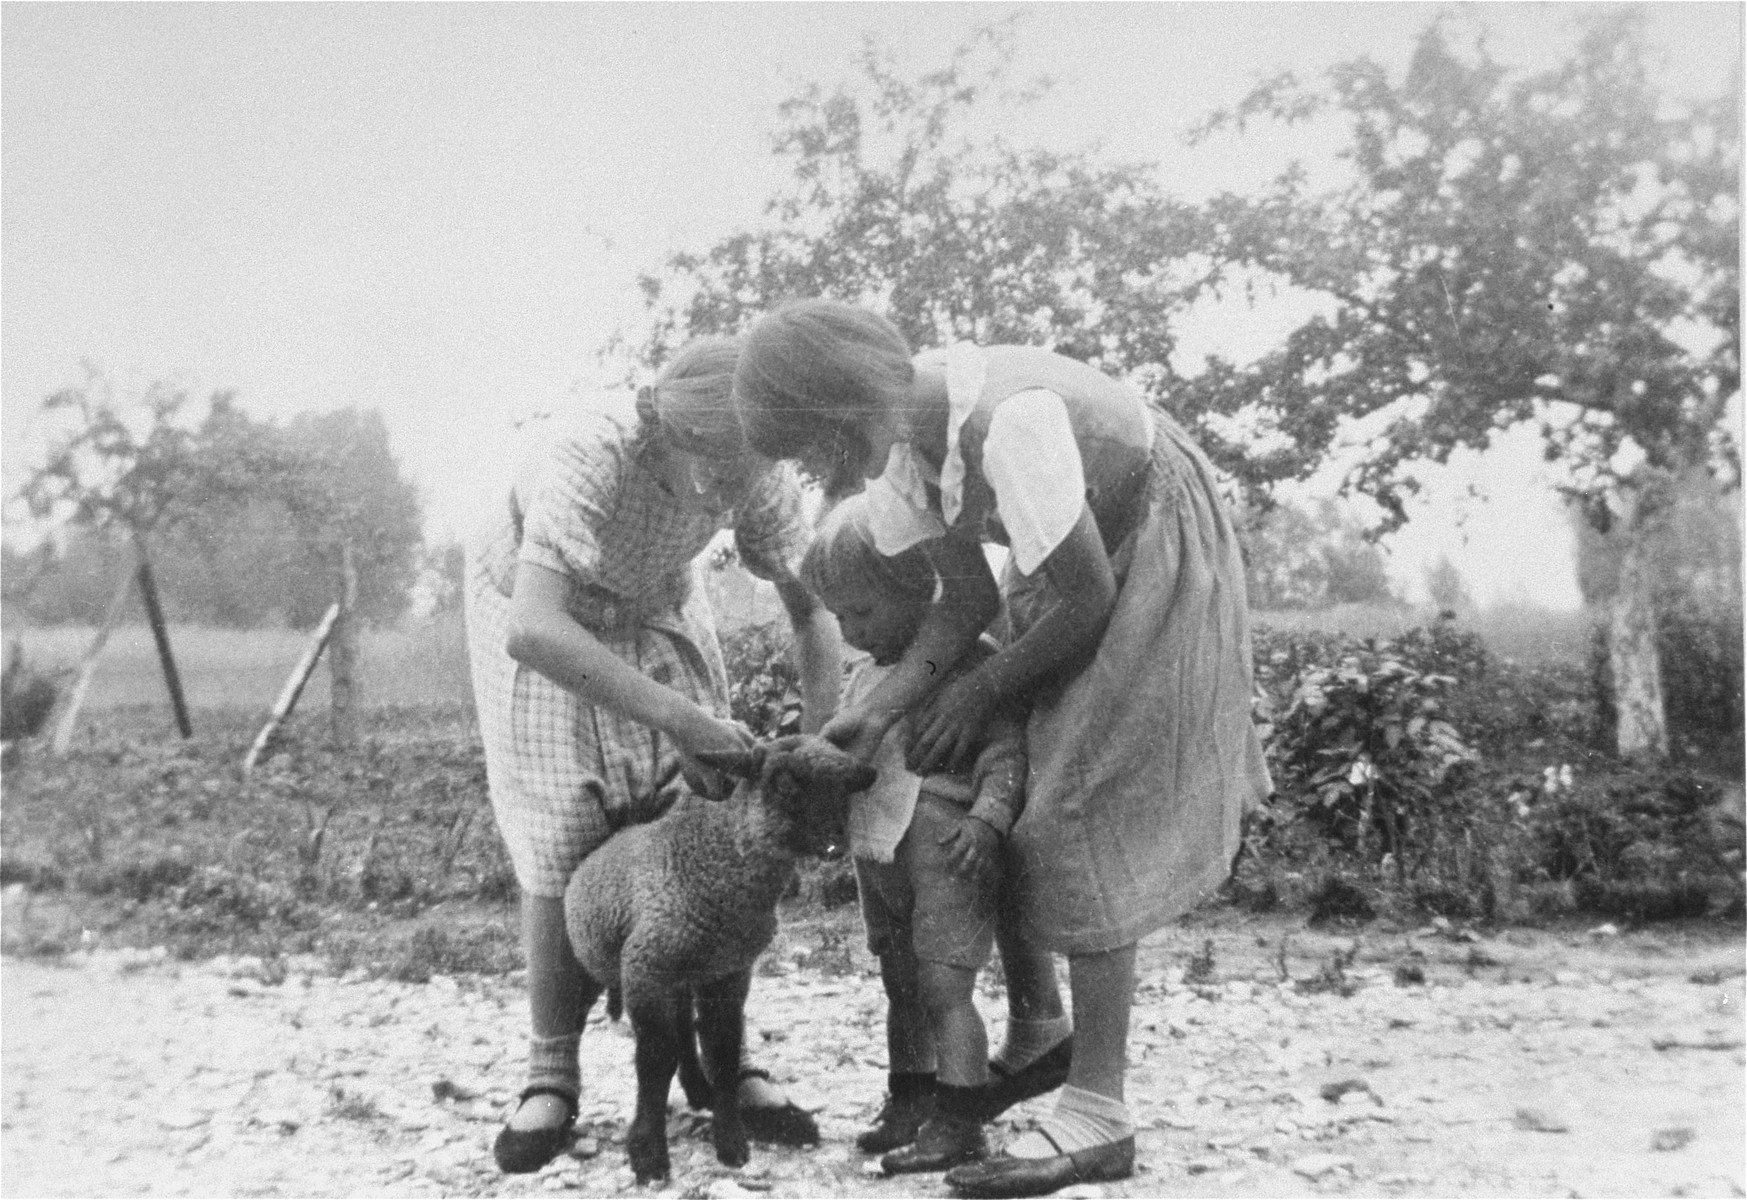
{"x": 971, "y": 849}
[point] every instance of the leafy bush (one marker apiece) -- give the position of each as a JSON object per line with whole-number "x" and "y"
{"x": 764, "y": 689}
{"x": 1425, "y": 753}
{"x": 138, "y": 880}
{"x": 27, "y": 696}
{"x": 1359, "y": 743}
{"x": 1639, "y": 827}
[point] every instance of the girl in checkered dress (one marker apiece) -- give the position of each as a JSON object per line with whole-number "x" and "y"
{"x": 596, "y": 667}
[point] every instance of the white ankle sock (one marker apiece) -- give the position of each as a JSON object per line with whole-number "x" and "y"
{"x": 1079, "y": 1121}
{"x": 1027, "y": 1041}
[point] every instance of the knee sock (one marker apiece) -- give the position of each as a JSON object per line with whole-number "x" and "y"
{"x": 961, "y": 1104}
{"x": 1079, "y": 1121}
{"x": 902, "y": 1085}
{"x": 552, "y": 1062}
{"x": 1027, "y": 1041}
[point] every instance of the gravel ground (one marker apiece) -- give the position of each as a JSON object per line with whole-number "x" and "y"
{"x": 1528, "y": 1065}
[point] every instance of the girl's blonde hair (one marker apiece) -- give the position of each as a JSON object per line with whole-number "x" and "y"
{"x": 810, "y": 367}
{"x": 691, "y": 402}
{"x": 842, "y": 560}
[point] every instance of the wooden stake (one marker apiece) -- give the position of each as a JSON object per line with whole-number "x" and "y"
{"x": 161, "y": 635}
{"x": 69, "y": 716}
{"x": 293, "y": 687}
{"x": 343, "y": 662}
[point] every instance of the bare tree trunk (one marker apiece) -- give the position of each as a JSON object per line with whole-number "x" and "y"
{"x": 1641, "y": 725}
{"x": 343, "y": 654}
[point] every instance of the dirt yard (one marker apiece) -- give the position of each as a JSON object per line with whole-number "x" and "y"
{"x": 1289, "y": 1063}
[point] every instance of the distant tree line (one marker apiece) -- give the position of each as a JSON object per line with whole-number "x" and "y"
{"x": 1315, "y": 556}
{"x": 243, "y": 519}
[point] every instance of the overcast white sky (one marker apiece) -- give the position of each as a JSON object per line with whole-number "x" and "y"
{"x": 439, "y": 210}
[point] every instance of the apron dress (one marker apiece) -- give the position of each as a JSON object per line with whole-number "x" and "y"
{"x": 1142, "y": 757}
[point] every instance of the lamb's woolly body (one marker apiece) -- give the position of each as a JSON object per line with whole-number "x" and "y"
{"x": 674, "y": 913}
{"x": 684, "y": 899}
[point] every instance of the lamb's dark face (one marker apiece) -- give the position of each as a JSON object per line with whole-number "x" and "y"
{"x": 809, "y": 781}
{"x": 805, "y": 780}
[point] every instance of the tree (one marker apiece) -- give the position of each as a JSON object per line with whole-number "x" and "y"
{"x": 1446, "y": 587}
{"x": 444, "y": 577}
{"x": 896, "y": 201}
{"x": 1302, "y": 558}
{"x": 244, "y": 517}
{"x": 140, "y": 462}
{"x": 342, "y": 486}
{"x": 1694, "y": 560}
{"x": 1558, "y": 248}
{"x": 132, "y": 465}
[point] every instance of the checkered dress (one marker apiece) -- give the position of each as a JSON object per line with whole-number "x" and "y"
{"x": 564, "y": 775}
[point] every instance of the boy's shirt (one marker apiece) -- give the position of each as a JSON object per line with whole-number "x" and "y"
{"x": 992, "y": 790}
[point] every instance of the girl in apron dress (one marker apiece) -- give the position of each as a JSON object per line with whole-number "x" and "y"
{"x": 1130, "y": 640}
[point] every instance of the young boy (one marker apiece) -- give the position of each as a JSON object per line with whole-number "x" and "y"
{"x": 927, "y": 858}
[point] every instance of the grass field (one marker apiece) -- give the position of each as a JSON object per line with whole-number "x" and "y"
{"x": 1530, "y": 636}
{"x": 243, "y": 670}
{"x": 425, "y": 662}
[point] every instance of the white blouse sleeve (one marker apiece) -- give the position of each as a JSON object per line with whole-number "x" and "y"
{"x": 1032, "y": 461}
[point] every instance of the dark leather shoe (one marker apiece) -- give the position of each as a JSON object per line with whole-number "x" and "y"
{"x": 524, "y": 1151}
{"x": 785, "y": 1124}
{"x": 1004, "y": 1175}
{"x": 1043, "y": 1074}
{"x": 900, "y": 1119}
{"x": 943, "y": 1142}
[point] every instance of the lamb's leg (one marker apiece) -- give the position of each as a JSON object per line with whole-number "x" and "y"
{"x": 691, "y": 1074}
{"x": 721, "y": 1022}
{"x": 655, "y": 1022}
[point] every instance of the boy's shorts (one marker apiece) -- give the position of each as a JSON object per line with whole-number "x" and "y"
{"x": 917, "y": 897}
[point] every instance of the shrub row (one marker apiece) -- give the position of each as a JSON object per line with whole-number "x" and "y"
{"x": 1421, "y": 769}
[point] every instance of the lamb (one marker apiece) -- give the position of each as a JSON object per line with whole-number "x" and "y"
{"x": 677, "y": 911}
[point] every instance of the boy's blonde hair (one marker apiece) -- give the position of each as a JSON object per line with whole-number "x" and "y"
{"x": 843, "y": 561}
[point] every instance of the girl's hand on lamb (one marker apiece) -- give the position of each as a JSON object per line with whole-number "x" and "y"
{"x": 971, "y": 849}
{"x": 711, "y": 735}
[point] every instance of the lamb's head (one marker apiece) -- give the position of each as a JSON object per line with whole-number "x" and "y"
{"x": 804, "y": 782}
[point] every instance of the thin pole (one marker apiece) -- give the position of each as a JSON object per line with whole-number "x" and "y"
{"x": 343, "y": 661}
{"x": 69, "y": 716}
{"x": 161, "y": 635}
{"x": 293, "y": 687}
